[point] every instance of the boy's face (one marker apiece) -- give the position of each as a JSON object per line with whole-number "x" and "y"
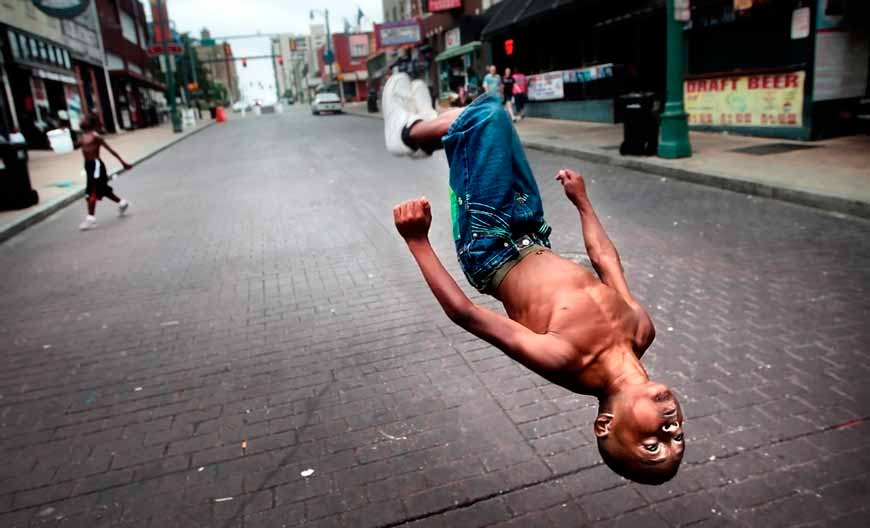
{"x": 643, "y": 430}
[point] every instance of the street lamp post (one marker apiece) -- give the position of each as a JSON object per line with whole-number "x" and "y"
{"x": 674, "y": 142}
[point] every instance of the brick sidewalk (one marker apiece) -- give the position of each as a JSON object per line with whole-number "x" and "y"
{"x": 831, "y": 174}
{"x": 48, "y": 169}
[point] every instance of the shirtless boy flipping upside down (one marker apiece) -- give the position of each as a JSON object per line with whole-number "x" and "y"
{"x": 582, "y": 332}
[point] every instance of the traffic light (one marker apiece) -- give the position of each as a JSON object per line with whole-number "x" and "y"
{"x": 281, "y": 60}
{"x": 244, "y": 62}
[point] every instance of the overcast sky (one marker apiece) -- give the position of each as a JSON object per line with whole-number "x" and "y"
{"x": 231, "y": 17}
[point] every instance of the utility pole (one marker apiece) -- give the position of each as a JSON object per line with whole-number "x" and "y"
{"x": 328, "y": 57}
{"x": 170, "y": 70}
{"x": 674, "y": 142}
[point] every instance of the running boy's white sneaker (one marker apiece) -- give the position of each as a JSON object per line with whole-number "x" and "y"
{"x": 398, "y": 113}
{"x": 422, "y": 100}
{"x": 89, "y": 222}
{"x": 122, "y": 206}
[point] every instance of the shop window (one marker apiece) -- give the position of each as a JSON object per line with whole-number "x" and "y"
{"x": 128, "y": 28}
{"x": 22, "y": 43}
{"x": 13, "y": 44}
{"x": 114, "y": 62}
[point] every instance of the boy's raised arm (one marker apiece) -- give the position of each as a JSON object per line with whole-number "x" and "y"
{"x": 542, "y": 353}
{"x": 126, "y": 165}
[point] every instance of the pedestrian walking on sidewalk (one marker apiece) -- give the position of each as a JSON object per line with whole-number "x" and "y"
{"x": 97, "y": 186}
{"x": 492, "y": 81}
{"x": 521, "y": 85}
{"x": 585, "y": 332}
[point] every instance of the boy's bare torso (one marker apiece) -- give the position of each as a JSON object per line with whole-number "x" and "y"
{"x": 549, "y": 294}
{"x": 90, "y": 143}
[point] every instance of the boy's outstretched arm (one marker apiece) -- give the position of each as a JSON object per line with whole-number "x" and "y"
{"x": 126, "y": 165}
{"x": 542, "y": 353}
{"x": 603, "y": 254}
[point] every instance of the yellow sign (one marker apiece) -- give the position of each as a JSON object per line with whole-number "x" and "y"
{"x": 763, "y": 100}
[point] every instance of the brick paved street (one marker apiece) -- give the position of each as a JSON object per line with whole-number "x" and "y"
{"x": 256, "y": 317}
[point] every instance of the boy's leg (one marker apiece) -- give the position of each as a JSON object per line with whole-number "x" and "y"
{"x": 486, "y": 188}
{"x": 426, "y": 135}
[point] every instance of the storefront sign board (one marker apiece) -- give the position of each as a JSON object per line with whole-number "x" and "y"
{"x": 398, "y": 33}
{"x": 546, "y": 86}
{"x": 443, "y": 5}
{"x": 764, "y": 100}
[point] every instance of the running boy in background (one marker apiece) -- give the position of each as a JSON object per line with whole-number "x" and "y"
{"x": 97, "y": 186}
{"x": 583, "y": 332}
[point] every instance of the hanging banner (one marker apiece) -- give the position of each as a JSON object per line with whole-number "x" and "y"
{"x": 546, "y": 86}
{"x": 62, "y": 8}
{"x": 764, "y": 100}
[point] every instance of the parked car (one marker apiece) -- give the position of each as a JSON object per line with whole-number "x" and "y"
{"x": 326, "y": 102}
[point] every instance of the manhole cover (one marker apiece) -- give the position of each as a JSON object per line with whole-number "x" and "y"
{"x": 772, "y": 148}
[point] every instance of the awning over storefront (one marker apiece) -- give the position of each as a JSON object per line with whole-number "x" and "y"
{"x": 458, "y": 51}
{"x": 513, "y": 13}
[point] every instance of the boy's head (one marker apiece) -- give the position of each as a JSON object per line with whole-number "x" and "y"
{"x": 640, "y": 433}
{"x": 89, "y": 123}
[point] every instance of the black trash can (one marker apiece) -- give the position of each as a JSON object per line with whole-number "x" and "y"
{"x": 640, "y": 124}
{"x": 372, "y": 101}
{"x": 15, "y": 189}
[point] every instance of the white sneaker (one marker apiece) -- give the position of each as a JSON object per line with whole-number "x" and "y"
{"x": 398, "y": 113}
{"x": 122, "y": 206}
{"x": 89, "y": 222}
{"x": 422, "y": 100}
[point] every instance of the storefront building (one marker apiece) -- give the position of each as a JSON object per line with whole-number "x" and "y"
{"x": 776, "y": 68}
{"x": 448, "y": 56}
{"x": 136, "y": 91}
{"x": 40, "y": 89}
{"x": 351, "y": 53}
{"x": 788, "y": 68}
{"x": 80, "y": 36}
{"x": 580, "y": 56}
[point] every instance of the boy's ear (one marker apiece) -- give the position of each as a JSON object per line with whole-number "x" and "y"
{"x": 602, "y": 424}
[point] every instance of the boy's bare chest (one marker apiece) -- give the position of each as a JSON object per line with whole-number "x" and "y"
{"x": 568, "y": 301}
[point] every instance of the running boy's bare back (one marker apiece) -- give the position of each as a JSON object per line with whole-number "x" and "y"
{"x": 583, "y": 332}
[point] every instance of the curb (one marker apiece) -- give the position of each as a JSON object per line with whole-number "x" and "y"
{"x": 52, "y": 207}
{"x": 784, "y": 194}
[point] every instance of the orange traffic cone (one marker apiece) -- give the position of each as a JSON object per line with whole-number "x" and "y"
{"x": 219, "y": 114}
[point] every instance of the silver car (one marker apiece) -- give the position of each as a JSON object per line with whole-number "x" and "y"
{"x": 326, "y": 102}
